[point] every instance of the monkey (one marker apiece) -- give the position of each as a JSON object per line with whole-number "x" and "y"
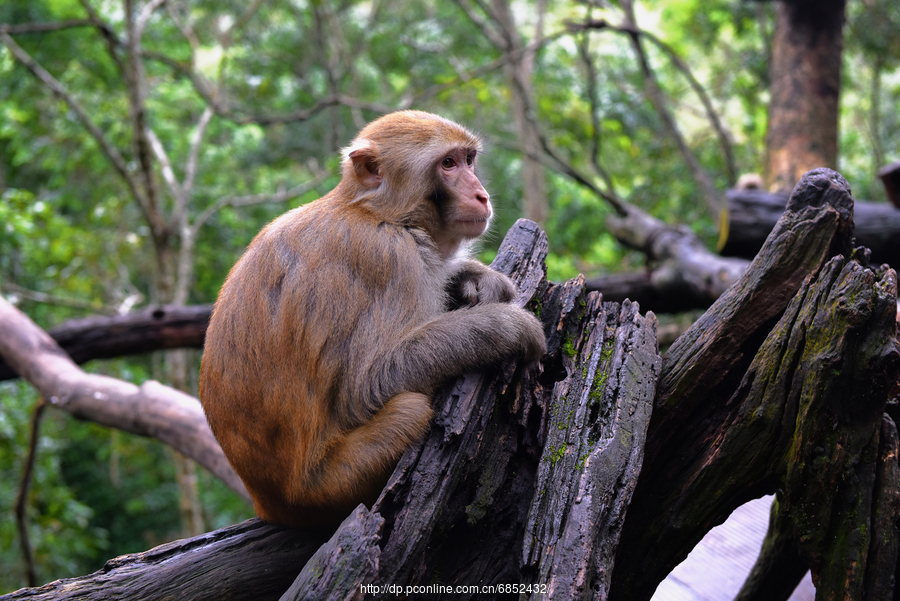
{"x": 333, "y": 331}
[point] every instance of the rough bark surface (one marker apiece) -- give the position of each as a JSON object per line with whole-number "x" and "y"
{"x": 780, "y": 385}
{"x": 249, "y": 561}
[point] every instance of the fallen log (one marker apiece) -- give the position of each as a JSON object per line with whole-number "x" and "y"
{"x": 753, "y": 214}
{"x": 244, "y": 562}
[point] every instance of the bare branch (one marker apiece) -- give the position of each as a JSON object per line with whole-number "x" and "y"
{"x": 144, "y": 17}
{"x": 52, "y": 299}
{"x": 681, "y": 66}
{"x": 186, "y": 30}
{"x": 134, "y": 78}
{"x": 44, "y": 27}
{"x": 150, "y": 410}
{"x": 108, "y": 34}
{"x": 591, "y": 92}
{"x": 496, "y": 37}
{"x": 24, "y": 486}
{"x": 657, "y": 99}
{"x": 190, "y": 170}
{"x": 166, "y": 167}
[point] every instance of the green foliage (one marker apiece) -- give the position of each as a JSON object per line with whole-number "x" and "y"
{"x": 62, "y": 537}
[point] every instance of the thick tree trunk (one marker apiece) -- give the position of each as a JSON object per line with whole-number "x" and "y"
{"x": 805, "y": 81}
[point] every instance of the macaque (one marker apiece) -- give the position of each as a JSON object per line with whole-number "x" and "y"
{"x": 333, "y": 331}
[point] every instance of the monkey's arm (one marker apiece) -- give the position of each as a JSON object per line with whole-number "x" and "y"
{"x": 454, "y": 343}
{"x": 472, "y": 282}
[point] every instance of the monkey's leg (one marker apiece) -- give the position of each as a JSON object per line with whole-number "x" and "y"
{"x": 359, "y": 464}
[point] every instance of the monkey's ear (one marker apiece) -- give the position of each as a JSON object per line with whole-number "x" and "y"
{"x": 365, "y": 166}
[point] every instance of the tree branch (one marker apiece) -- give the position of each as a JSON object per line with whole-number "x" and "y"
{"x": 255, "y": 199}
{"x": 24, "y": 486}
{"x": 44, "y": 27}
{"x": 656, "y": 97}
{"x": 150, "y": 410}
{"x": 681, "y": 66}
{"x": 134, "y": 79}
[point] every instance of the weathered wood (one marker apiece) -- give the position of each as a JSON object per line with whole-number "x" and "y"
{"x": 685, "y": 267}
{"x": 723, "y": 424}
{"x": 778, "y": 569}
{"x": 753, "y": 214}
{"x": 839, "y": 500}
{"x": 821, "y": 381}
{"x": 150, "y": 329}
{"x": 248, "y": 561}
{"x": 346, "y": 563}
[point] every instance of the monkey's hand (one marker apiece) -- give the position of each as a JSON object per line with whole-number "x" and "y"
{"x": 473, "y": 283}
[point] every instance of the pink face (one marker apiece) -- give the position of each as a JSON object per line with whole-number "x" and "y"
{"x": 469, "y": 216}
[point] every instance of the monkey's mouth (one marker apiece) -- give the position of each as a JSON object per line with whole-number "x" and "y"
{"x": 473, "y": 227}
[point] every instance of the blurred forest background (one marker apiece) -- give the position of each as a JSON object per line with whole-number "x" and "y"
{"x": 144, "y": 143}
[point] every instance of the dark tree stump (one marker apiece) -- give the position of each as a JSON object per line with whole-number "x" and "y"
{"x": 743, "y": 409}
{"x": 524, "y": 478}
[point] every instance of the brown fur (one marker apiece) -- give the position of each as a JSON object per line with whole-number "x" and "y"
{"x": 332, "y": 332}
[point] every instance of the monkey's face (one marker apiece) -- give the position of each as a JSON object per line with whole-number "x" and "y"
{"x": 466, "y": 204}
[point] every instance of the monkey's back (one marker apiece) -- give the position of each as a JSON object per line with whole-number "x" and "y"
{"x": 297, "y": 334}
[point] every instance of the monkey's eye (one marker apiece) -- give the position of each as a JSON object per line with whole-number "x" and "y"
{"x": 470, "y": 158}
{"x": 448, "y": 163}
